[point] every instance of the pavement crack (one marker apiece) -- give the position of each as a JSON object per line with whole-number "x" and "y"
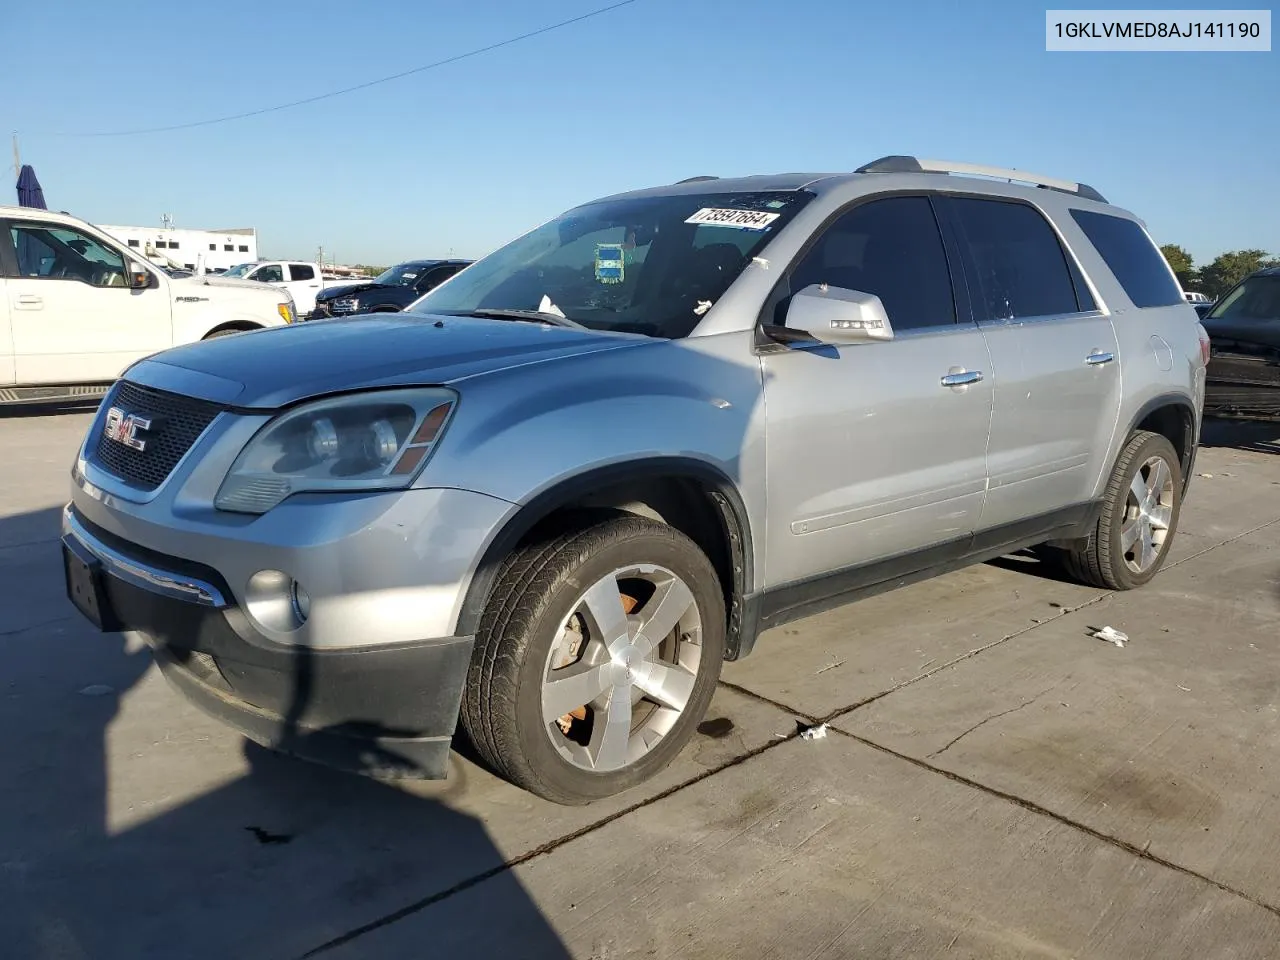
{"x": 1143, "y": 852}
{"x": 550, "y": 846}
{"x": 34, "y": 626}
{"x": 986, "y": 720}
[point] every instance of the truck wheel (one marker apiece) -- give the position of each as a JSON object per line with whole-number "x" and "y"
{"x": 223, "y": 333}
{"x": 1138, "y": 520}
{"x": 596, "y": 657}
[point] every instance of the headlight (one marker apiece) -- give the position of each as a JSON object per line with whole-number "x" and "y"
{"x": 366, "y": 441}
{"x": 286, "y": 311}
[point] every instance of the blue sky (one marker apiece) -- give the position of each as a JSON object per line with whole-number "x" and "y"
{"x": 462, "y": 158}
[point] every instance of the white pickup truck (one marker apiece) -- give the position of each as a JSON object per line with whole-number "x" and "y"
{"x": 76, "y": 308}
{"x": 302, "y": 280}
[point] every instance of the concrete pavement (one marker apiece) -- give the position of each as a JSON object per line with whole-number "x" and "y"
{"x": 996, "y": 782}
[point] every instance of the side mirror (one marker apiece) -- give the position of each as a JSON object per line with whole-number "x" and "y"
{"x": 139, "y": 277}
{"x": 836, "y": 315}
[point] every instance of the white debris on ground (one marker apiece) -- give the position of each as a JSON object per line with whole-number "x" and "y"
{"x": 1112, "y": 635}
{"x": 1207, "y": 476}
{"x": 814, "y": 733}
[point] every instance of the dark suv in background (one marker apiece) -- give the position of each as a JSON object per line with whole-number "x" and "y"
{"x": 389, "y": 292}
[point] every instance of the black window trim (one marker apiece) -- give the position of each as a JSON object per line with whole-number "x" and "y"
{"x": 1079, "y": 283}
{"x": 962, "y": 310}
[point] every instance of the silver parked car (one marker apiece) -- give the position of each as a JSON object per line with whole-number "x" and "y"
{"x": 553, "y": 497}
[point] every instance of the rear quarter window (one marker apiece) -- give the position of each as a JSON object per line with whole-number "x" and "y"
{"x": 1129, "y": 253}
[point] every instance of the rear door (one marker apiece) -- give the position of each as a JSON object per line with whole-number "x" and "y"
{"x": 1054, "y": 356}
{"x": 876, "y": 451}
{"x": 72, "y": 317}
{"x": 304, "y": 283}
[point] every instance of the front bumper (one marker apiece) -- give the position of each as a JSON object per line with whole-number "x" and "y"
{"x": 386, "y": 711}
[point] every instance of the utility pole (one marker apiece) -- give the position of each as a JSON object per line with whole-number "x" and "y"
{"x": 17, "y": 158}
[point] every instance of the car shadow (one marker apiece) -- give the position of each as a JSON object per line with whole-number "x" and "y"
{"x": 1256, "y": 436}
{"x": 102, "y": 856}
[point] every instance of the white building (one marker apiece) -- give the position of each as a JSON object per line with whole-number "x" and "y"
{"x": 217, "y": 249}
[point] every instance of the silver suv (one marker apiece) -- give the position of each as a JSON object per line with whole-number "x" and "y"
{"x": 557, "y": 494}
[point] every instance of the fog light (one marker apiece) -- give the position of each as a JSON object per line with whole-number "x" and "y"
{"x": 276, "y": 601}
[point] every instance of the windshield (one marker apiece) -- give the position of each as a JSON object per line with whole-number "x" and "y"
{"x": 649, "y": 265}
{"x": 1258, "y": 298}
{"x": 402, "y": 276}
{"x": 239, "y": 270}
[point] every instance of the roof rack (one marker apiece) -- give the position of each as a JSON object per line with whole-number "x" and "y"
{"x": 696, "y": 179}
{"x": 905, "y": 164}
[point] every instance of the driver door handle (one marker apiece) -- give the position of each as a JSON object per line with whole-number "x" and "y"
{"x": 29, "y": 301}
{"x": 1097, "y": 358}
{"x": 960, "y": 379}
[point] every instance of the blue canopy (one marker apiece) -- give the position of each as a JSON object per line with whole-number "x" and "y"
{"x": 30, "y": 193}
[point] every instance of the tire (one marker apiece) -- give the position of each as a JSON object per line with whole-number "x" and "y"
{"x": 222, "y": 333}
{"x": 1104, "y": 559}
{"x": 539, "y": 607}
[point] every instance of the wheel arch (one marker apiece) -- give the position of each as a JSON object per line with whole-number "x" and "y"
{"x": 1173, "y": 416}
{"x": 691, "y": 495}
{"x": 239, "y": 326}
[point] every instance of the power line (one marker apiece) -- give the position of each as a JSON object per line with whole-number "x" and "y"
{"x": 360, "y": 86}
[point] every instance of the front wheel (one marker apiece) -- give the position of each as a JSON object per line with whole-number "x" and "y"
{"x": 596, "y": 657}
{"x": 1138, "y": 520}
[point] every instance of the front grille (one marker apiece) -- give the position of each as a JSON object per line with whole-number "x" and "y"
{"x": 176, "y": 423}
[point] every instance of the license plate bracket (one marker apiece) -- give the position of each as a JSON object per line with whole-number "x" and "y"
{"x": 86, "y": 589}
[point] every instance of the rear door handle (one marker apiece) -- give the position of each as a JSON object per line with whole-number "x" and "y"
{"x": 961, "y": 379}
{"x": 1097, "y": 358}
{"x": 29, "y": 301}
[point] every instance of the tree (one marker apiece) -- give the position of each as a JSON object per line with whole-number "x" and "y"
{"x": 1230, "y": 268}
{"x": 1181, "y": 264}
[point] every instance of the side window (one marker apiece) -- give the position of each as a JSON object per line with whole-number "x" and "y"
{"x": 1132, "y": 257}
{"x": 300, "y": 271}
{"x": 1021, "y": 269}
{"x": 61, "y": 253}
{"x": 270, "y": 274}
{"x": 433, "y": 279}
{"x": 892, "y": 248}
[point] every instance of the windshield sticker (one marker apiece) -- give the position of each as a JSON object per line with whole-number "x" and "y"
{"x": 740, "y": 219}
{"x": 609, "y": 262}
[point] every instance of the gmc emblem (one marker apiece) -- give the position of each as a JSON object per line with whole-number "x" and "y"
{"x": 124, "y": 428}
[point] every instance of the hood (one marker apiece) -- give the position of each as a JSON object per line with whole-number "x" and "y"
{"x": 1234, "y": 334}
{"x": 273, "y": 367}
{"x": 216, "y": 280}
{"x": 332, "y": 293}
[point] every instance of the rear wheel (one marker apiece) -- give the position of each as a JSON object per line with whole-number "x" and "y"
{"x": 597, "y": 656}
{"x": 223, "y": 333}
{"x": 1138, "y": 520}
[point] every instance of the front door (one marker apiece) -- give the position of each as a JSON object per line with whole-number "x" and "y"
{"x": 8, "y": 373}
{"x": 1053, "y": 353}
{"x": 871, "y": 452}
{"x": 73, "y": 318}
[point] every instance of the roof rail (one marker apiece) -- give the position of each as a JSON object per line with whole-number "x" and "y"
{"x": 696, "y": 179}
{"x": 905, "y": 164}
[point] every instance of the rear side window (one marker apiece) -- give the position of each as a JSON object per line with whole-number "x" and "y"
{"x": 893, "y": 249}
{"x": 1019, "y": 268}
{"x": 300, "y": 271}
{"x": 1132, "y": 257}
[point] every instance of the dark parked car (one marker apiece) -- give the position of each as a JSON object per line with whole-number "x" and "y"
{"x": 390, "y": 292}
{"x": 1243, "y": 379}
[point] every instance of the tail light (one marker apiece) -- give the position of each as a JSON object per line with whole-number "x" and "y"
{"x": 1205, "y": 347}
